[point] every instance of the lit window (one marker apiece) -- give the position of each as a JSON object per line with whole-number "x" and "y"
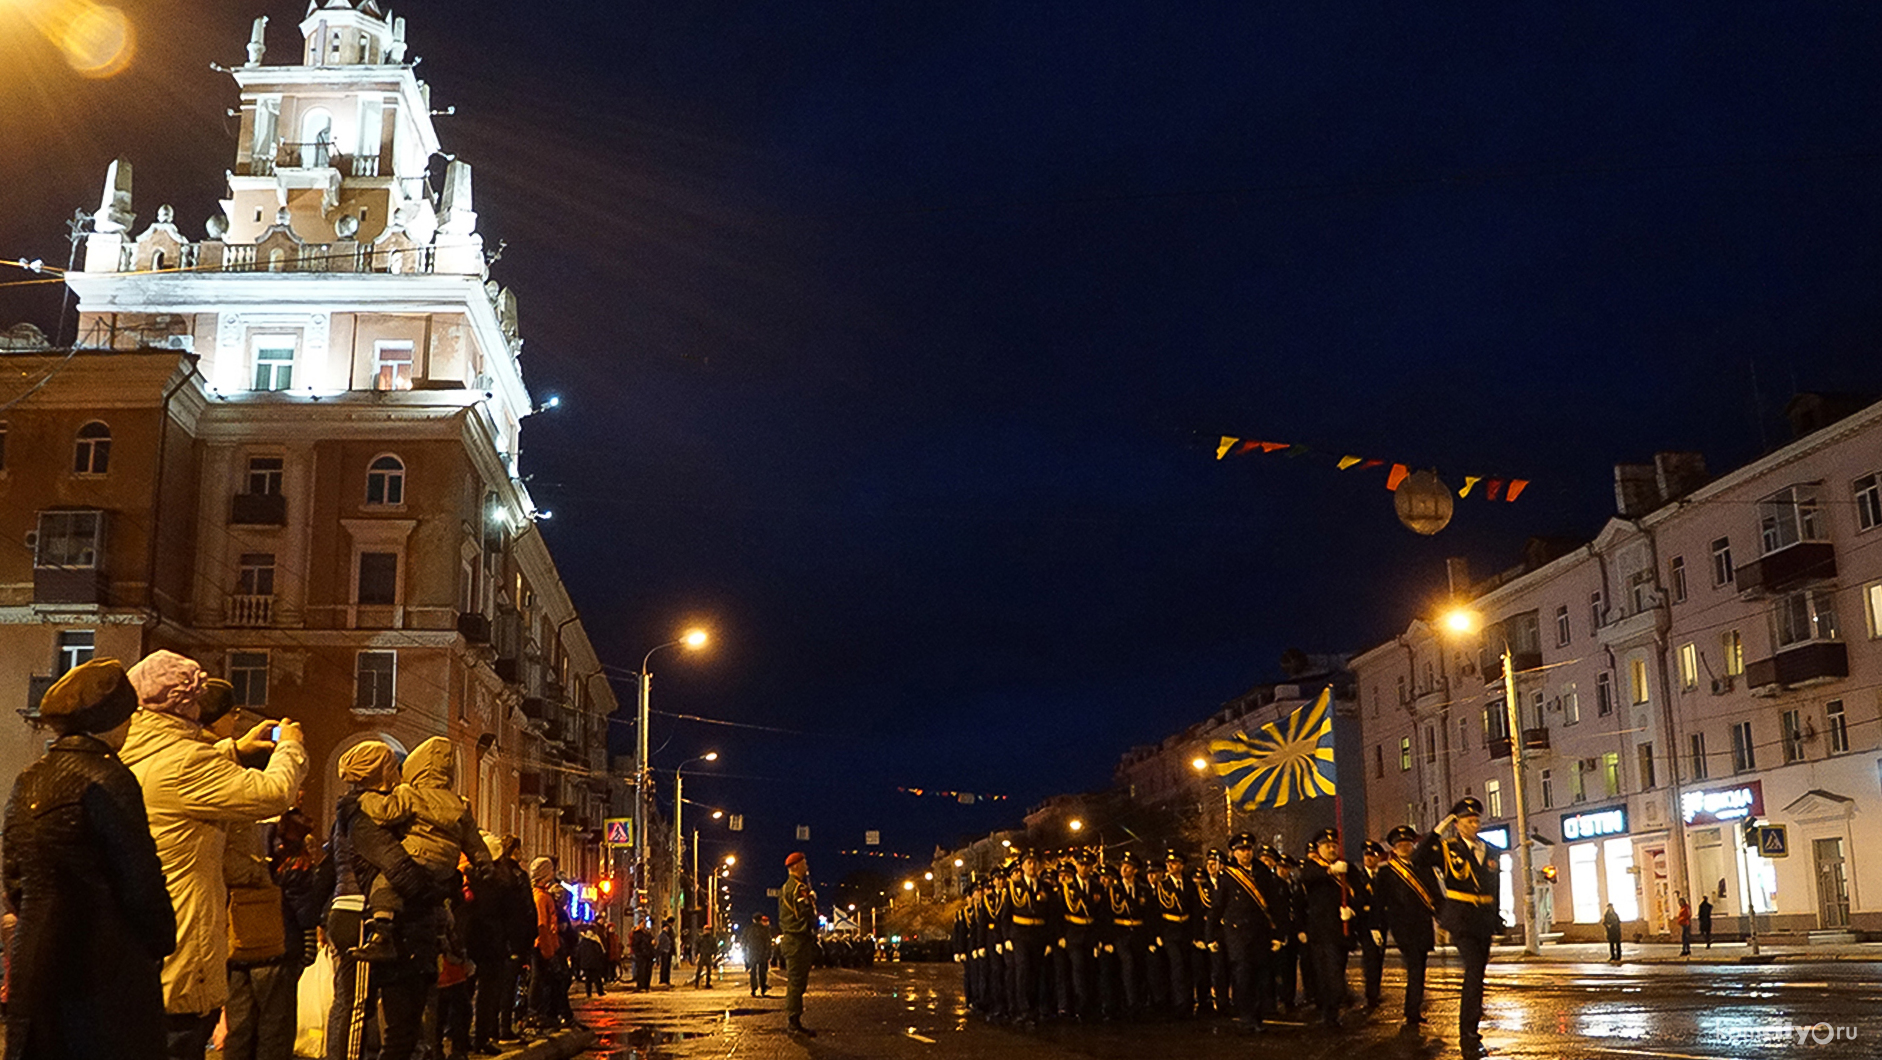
{"x": 1637, "y": 679}
{"x": 1404, "y": 754}
{"x": 374, "y": 681}
{"x": 385, "y": 481}
{"x": 248, "y": 672}
{"x": 1611, "y": 772}
{"x": 1868, "y": 491}
{"x": 274, "y": 362}
{"x": 76, "y": 646}
{"x": 1733, "y": 646}
{"x": 1493, "y": 797}
{"x": 392, "y": 366}
{"x": 92, "y": 455}
{"x": 1872, "y": 604}
{"x": 1571, "y": 704}
{"x": 1689, "y": 666}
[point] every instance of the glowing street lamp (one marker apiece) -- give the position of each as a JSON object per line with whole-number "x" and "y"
{"x": 1076, "y": 825}
{"x": 679, "y": 802}
{"x": 692, "y": 639}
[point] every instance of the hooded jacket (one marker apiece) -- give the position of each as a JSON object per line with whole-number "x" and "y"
{"x": 435, "y": 822}
{"x": 193, "y": 791}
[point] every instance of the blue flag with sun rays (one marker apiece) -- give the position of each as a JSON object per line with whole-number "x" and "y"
{"x": 1283, "y": 762}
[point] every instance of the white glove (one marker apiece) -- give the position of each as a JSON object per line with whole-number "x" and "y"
{"x": 1378, "y": 938}
{"x": 1061, "y": 943}
{"x": 1201, "y": 945}
{"x": 1277, "y": 945}
{"x": 1303, "y": 936}
{"x": 1346, "y": 912}
{"x": 1108, "y": 948}
{"x": 959, "y": 957}
{"x": 1215, "y": 947}
{"x": 1009, "y": 945}
{"x": 1338, "y": 868}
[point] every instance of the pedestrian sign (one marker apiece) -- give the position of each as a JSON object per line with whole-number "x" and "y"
{"x": 618, "y": 831}
{"x": 1773, "y": 841}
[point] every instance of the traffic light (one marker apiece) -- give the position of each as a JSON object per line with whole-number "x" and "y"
{"x": 607, "y": 888}
{"x": 1751, "y": 832}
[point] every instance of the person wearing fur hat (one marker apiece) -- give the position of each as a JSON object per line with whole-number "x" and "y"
{"x": 194, "y": 791}
{"x": 81, "y": 873}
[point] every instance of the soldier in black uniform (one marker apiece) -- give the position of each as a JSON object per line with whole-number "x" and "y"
{"x": 1176, "y": 934}
{"x": 1131, "y": 903}
{"x": 963, "y": 945}
{"x": 1250, "y": 930}
{"x": 1028, "y": 904}
{"x": 1294, "y": 955}
{"x": 1470, "y": 911}
{"x": 997, "y": 982}
{"x": 1407, "y": 896}
{"x": 1369, "y": 924}
{"x": 1212, "y": 984}
{"x": 1329, "y": 919}
{"x": 1083, "y": 905}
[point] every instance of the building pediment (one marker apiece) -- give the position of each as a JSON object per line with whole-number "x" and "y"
{"x": 1616, "y": 533}
{"x": 1819, "y": 805}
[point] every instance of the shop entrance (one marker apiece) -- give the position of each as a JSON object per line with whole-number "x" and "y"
{"x": 1832, "y": 884}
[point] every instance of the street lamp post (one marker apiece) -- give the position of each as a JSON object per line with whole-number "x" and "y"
{"x": 679, "y": 834}
{"x": 695, "y": 638}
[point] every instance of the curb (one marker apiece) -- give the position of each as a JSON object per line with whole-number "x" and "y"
{"x": 559, "y": 1046}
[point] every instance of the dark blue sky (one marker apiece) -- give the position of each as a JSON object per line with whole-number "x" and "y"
{"x": 891, "y": 336}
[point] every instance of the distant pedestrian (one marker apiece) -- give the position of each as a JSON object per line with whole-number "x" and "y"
{"x": 642, "y": 946}
{"x": 82, "y": 874}
{"x": 758, "y": 954}
{"x": 1685, "y": 927}
{"x": 1612, "y": 921}
{"x": 663, "y": 948}
{"x": 1705, "y": 919}
{"x": 797, "y": 923}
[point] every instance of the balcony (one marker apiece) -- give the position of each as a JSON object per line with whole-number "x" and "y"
{"x": 253, "y": 612}
{"x": 1813, "y": 663}
{"x": 1499, "y": 747}
{"x": 258, "y": 509}
{"x": 535, "y": 708}
{"x": 529, "y": 786}
{"x": 509, "y": 670}
{"x": 474, "y": 627}
{"x": 1798, "y": 566}
{"x": 69, "y": 585}
{"x": 1491, "y": 663}
{"x": 1535, "y": 739}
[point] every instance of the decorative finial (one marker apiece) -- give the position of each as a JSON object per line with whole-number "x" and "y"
{"x": 257, "y": 45}
{"x": 397, "y": 51}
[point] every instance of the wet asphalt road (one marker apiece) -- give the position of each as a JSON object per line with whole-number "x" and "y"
{"x": 1540, "y": 1010}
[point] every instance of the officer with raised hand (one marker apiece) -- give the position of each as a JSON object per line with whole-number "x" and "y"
{"x": 1470, "y": 873}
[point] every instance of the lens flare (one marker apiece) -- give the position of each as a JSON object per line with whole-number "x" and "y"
{"x": 97, "y": 40}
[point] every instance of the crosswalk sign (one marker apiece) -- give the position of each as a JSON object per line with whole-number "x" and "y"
{"x": 1773, "y": 841}
{"x": 618, "y": 831}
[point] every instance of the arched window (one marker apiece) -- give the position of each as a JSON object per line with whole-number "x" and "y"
{"x": 93, "y": 454}
{"x": 385, "y": 480}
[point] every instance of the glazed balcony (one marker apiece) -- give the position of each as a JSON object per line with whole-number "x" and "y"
{"x": 1801, "y": 666}
{"x": 1797, "y": 566}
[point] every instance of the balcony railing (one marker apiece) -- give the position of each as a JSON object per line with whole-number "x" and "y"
{"x": 474, "y": 627}
{"x": 1535, "y": 739}
{"x": 1500, "y": 747}
{"x": 259, "y": 509}
{"x": 248, "y": 610}
{"x": 1814, "y": 663}
{"x": 68, "y": 585}
{"x": 1798, "y": 566}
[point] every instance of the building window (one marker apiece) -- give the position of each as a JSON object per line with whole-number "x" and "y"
{"x": 1637, "y": 679}
{"x": 256, "y": 574}
{"x": 1793, "y": 730}
{"x": 1802, "y": 617}
{"x": 92, "y": 455}
{"x": 373, "y": 689}
{"x": 1577, "y": 782}
{"x": 264, "y": 475}
{"x": 1689, "y": 666}
{"x": 248, "y": 672}
{"x": 392, "y": 366}
{"x": 1463, "y": 733}
{"x": 1699, "y": 756}
{"x": 1378, "y": 760}
{"x": 1571, "y": 704}
{"x": 1789, "y": 516}
{"x": 1404, "y": 754}
{"x": 1722, "y": 570}
{"x": 1496, "y": 721}
{"x": 1561, "y": 626}
{"x": 378, "y": 579}
{"x": 1744, "y": 752}
{"x": 1401, "y": 688}
{"x": 1872, "y": 604}
{"x": 1548, "y": 789}
{"x": 1838, "y": 724}
{"x": 1611, "y": 772}
{"x": 1493, "y": 797}
{"x": 1644, "y": 752}
{"x": 1868, "y": 491}
{"x": 385, "y": 481}
{"x": 1431, "y": 745}
{"x": 274, "y": 362}
{"x": 1604, "y": 694}
{"x": 69, "y": 539}
{"x": 1640, "y": 587}
{"x": 1596, "y": 604}
{"x": 1733, "y": 646}
{"x": 76, "y": 646}
{"x": 1676, "y": 572}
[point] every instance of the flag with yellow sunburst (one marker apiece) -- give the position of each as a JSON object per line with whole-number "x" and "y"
{"x": 1283, "y": 762}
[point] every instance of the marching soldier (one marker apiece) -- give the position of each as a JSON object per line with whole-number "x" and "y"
{"x": 1407, "y": 895}
{"x": 1370, "y": 920}
{"x": 1131, "y": 903}
{"x": 997, "y": 982}
{"x": 1028, "y": 941}
{"x": 1157, "y": 965}
{"x": 1470, "y": 911}
{"x": 1249, "y": 930}
{"x": 1176, "y": 933}
{"x": 1293, "y": 955}
{"x": 1082, "y": 903}
{"x": 1212, "y": 981}
{"x": 966, "y": 943}
{"x": 1329, "y": 918}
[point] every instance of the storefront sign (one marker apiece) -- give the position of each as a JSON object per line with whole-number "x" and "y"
{"x": 1593, "y": 824}
{"x": 1498, "y": 837}
{"x": 1713, "y": 805}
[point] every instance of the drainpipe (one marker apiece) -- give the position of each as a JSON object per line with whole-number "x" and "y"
{"x": 156, "y": 496}
{"x": 1676, "y": 824}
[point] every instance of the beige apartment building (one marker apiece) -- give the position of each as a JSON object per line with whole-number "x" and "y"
{"x": 1712, "y": 657}
{"x": 289, "y": 448}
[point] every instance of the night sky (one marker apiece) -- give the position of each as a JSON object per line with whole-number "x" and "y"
{"x": 893, "y": 338}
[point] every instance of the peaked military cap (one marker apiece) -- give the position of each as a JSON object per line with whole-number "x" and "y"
{"x": 1403, "y": 833}
{"x": 1467, "y": 807}
{"x": 1375, "y": 848}
{"x": 1242, "y": 839}
{"x": 1268, "y": 851}
{"x": 1130, "y": 858}
{"x": 1175, "y": 855}
{"x": 1217, "y": 853}
{"x": 1324, "y": 835}
{"x": 1085, "y": 857}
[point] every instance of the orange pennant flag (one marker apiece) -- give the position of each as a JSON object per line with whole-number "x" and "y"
{"x": 1399, "y": 471}
{"x": 1269, "y": 447}
{"x": 1517, "y": 485}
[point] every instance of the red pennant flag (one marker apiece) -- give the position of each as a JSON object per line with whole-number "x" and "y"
{"x": 1371, "y": 464}
{"x": 1492, "y": 488}
{"x": 1399, "y": 472}
{"x": 1517, "y": 485}
{"x": 1269, "y": 447}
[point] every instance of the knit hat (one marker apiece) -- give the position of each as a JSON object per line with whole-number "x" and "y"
{"x": 541, "y": 870}
{"x": 370, "y": 764}
{"x": 168, "y": 683}
{"x": 91, "y": 697}
{"x": 215, "y": 701}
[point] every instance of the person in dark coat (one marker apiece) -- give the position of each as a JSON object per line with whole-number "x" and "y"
{"x": 1612, "y": 922}
{"x": 1370, "y": 926}
{"x": 1251, "y": 925}
{"x": 82, "y": 875}
{"x": 1469, "y": 870}
{"x": 1330, "y": 915}
{"x": 757, "y": 943}
{"x": 640, "y": 945}
{"x": 663, "y": 948}
{"x": 1705, "y": 920}
{"x": 1408, "y": 894}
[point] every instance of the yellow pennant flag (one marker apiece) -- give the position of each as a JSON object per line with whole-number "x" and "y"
{"x": 1349, "y": 461}
{"x": 1469, "y": 481}
{"x": 1227, "y": 443}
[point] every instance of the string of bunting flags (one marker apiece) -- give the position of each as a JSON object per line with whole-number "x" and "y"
{"x": 1494, "y": 488}
{"x": 965, "y": 798}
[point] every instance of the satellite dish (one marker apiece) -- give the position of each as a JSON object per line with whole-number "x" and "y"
{"x": 1423, "y": 502}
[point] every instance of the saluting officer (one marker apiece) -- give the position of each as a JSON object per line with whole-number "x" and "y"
{"x": 1028, "y": 903}
{"x": 1176, "y": 932}
{"x": 1369, "y": 921}
{"x": 1329, "y": 919}
{"x": 1408, "y": 899}
{"x": 1250, "y": 930}
{"x": 1083, "y": 903}
{"x": 1131, "y": 903}
{"x": 1212, "y": 981}
{"x": 1470, "y": 911}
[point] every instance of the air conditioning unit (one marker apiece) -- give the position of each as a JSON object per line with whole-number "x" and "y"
{"x": 1590, "y": 765}
{"x": 1721, "y": 685}
{"x": 185, "y": 343}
